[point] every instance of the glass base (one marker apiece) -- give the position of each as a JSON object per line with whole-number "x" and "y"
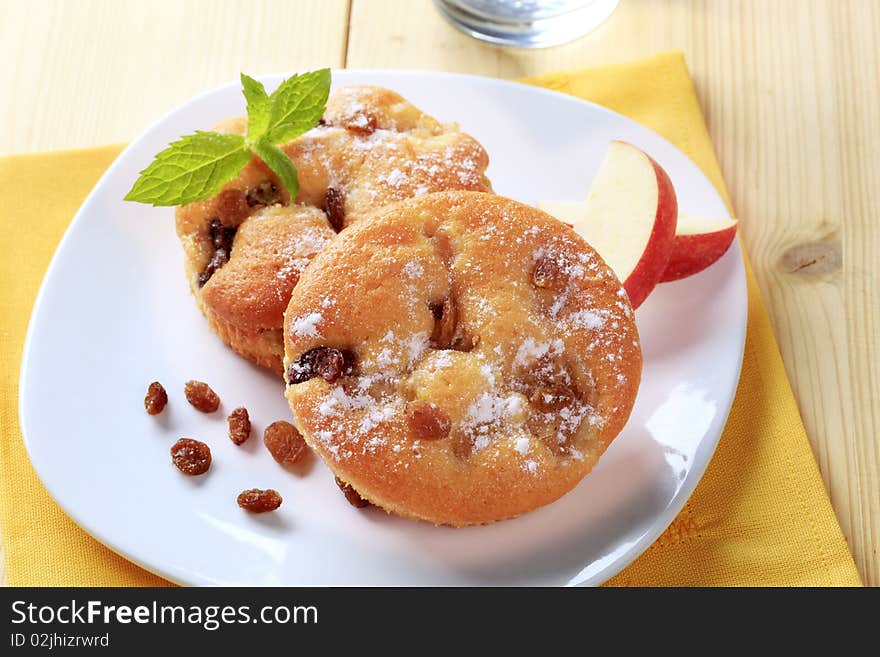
{"x": 526, "y": 23}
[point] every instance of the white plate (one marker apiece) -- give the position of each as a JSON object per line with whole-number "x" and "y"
{"x": 114, "y": 313}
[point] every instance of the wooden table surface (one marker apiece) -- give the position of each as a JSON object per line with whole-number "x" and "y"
{"x": 790, "y": 90}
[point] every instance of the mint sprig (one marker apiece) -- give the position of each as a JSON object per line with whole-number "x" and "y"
{"x": 278, "y": 161}
{"x": 297, "y": 105}
{"x": 196, "y": 167}
{"x": 192, "y": 168}
{"x": 258, "y": 106}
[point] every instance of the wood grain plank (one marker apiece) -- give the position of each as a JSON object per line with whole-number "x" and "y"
{"x": 857, "y": 72}
{"x": 790, "y": 90}
{"x": 88, "y": 72}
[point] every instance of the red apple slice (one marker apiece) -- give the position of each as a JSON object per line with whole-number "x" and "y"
{"x": 629, "y": 218}
{"x": 699, "y": 241}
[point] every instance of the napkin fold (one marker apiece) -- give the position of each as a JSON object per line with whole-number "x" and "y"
{"x": 759, "y": 517}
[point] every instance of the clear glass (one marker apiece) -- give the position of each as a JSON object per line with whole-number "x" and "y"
{"x": 526, "y": 23}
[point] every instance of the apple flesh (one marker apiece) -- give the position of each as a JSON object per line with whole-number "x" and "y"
{"x": 629, "y": 217}
{"x": 699, "y": 241}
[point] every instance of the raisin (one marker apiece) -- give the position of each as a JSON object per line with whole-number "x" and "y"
{"x": 216, "y": 262}
{"x": 322, "y": 122}
{"x": 547, "y": 273}
{"x": 552, "y": 395}
{"x": 221, "y": 239}
{"x": 156, "y": 398}
{"x": 547, "y": 420}
{"x": 256, "y": 500}
{"x": 201, "y": 396}
{"x": 239, "y": 425}
{"x": 326, "y": 362}
{"x": 330, "y": 364}
{"x": 334, "y": 207}
{"x": 232, "y": 207}
{"x": 362, "y": 124}
{"x": 427, "y": 421}
{"x": 445, "y": 320}
{"x": 354, "y": 498}
{"x": 192, "y": 457}
{"x": 266, "y": 193}
{"x": 284, "y": 442}
{"x": 447, "y": 332}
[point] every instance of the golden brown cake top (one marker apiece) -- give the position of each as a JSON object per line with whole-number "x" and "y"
{"x": 460, "y": 357}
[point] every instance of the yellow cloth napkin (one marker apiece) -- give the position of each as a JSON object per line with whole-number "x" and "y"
{"x": 760, "y": 516}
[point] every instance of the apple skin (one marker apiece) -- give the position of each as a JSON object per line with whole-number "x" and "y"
{"x": 625, "y": 162}
{"x": 655, "y": 259}
{"x": 693, "y": 253}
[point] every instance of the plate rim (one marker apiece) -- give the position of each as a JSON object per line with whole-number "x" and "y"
{"x": 663, "y": 519}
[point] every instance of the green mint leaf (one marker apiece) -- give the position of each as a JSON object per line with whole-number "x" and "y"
{"x": 277, "y": 160}
{"x": 258, "y": 107}
{"x": 297, "y": 105}
{"x": 191, "y": 169}
{"x": 196, "y": 167}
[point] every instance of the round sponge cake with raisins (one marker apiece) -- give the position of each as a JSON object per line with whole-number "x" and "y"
{"x": 246, "y": 247}
{"x": 460, "y": 358}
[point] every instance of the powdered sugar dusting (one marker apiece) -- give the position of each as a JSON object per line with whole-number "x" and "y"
{"x": 586, "y": 319}
{"x": 488, "y": 415}
{"x": 530, "y": 350}
{"x": 307, "y": 326}
{"x": 414, "y": 269}
{"x": 294, "y": 254}
{"x": 416, "y": 345}
{"x": 396, "y": 178}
